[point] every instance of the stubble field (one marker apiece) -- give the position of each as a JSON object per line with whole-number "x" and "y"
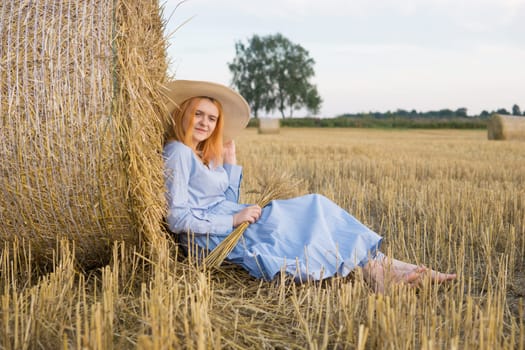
{"x": 451, "y": 200}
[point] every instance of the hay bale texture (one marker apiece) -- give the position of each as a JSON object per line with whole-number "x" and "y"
{"x": 81, "y": 124}
{"x": 506, "y": 127}
{"x": 269, "y": 126}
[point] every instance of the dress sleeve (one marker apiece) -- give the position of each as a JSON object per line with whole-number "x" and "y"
{"x": 234, "y": 178}
{"x": 181, "y": 218}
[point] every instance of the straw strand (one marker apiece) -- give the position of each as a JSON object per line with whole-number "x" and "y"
{"x": 280, "y": 187}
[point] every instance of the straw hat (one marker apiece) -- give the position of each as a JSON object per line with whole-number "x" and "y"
{"x": 235, "y": 108}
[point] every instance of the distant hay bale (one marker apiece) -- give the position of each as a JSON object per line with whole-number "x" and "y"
{"x": 269, "y": 126}
{"x": 80, "y": 124}
{"x": 506, "y": 127}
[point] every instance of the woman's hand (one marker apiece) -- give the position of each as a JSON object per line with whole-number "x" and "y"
{"x": 249, "y": 214}
{"x": 228, "y": 152}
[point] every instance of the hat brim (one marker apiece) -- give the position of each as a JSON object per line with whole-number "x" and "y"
{"x": 236, "y": 111}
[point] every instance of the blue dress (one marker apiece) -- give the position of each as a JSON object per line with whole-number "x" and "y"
{"x": 308, "y": 237}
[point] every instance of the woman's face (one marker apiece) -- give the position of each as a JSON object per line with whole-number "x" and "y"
{"x": 204, "y": 120}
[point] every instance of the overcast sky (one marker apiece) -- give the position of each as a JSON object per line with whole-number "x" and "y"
{"x": 371, "y": 55}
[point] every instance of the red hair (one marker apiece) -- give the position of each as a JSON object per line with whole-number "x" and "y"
{"x": 208, "y": 150}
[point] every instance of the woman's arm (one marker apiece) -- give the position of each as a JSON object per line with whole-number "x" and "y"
{"x": 234, "y": 178}
{"x": 229, "y": 154}
{"x": 233, "y": 170}
{"x": 249, "y": 214}
{"x": 179, "y": 162}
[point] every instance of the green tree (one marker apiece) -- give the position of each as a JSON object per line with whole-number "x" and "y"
{"x": 250, "y": 75}
{"x": 313, "y": 100}
{"x": 516, "y": 110}
{"x": 461, "y": 112}
{"x": 273, "y": 73}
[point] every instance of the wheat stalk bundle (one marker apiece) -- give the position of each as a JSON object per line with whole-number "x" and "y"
{"x": 273, "y": 187}
{"x": 81, "y": 124}
{"x": 506, "y": 127}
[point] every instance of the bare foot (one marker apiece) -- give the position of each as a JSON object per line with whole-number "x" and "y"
{"x": 383, "y": 273}
{"x": 423, "y": 271}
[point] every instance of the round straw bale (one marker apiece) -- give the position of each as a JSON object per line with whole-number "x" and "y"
{"x": 81, "y": 124}
{"x": 269, "y": 126}
{"x": 506, "y": 127}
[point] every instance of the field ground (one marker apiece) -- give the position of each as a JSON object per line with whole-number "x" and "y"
{"x": 449, "y": 199}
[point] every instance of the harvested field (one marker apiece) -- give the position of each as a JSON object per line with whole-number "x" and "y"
{"x": 448, "y": 199}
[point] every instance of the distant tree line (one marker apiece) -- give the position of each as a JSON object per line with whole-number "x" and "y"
{"x": 515, "y": 111}
{"x": 393, "y": 122}
{"x": 441, "y": 119}
{"x": 442, "y": 113}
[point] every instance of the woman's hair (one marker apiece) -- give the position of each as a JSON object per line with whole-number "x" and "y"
{"x": 209, "y": 149}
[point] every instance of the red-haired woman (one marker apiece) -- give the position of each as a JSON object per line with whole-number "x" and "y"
{"x": 307, "y": 237}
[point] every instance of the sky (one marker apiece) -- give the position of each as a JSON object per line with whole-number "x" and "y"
{"x": 370, "y": 55}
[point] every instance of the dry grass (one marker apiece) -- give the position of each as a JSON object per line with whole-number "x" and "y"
{"x": 448, "y": 199}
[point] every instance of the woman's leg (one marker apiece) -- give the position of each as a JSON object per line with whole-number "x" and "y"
{"x": 382, "y": 272}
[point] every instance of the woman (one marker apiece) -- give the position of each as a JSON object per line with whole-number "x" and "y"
{"x": 307, "y": 237}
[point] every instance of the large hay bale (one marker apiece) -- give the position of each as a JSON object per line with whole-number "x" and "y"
{"x": 506, "y": 127}
{"x": 269, "y": 126}
{"x": 80, "y": 125}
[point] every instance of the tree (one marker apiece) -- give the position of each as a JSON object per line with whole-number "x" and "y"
{"x": 313, "y": 100}
{"x": 250, "y": 75}
{"x": 445, "y": 113}
{"x": 273, "y": 73}
{"x": 461, "y": 112}
{"x": 516, "y": 110}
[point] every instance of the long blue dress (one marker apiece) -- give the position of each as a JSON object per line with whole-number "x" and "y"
{"x": 308, "y": 237}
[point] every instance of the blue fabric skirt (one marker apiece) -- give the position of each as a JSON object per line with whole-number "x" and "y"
{"x": 307, "y": 237}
